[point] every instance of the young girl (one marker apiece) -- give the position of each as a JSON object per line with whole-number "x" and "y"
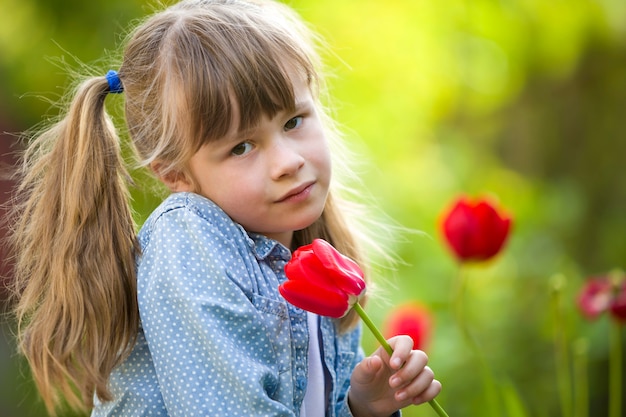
{"x": 185, "y": 319}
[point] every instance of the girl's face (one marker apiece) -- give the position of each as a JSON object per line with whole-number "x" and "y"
{"x": 273, "y": 179}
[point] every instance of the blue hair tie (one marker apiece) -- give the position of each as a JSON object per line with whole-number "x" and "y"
{"x": 115, "y": 84}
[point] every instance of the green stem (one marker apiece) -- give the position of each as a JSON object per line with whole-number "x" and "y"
{"x": 581, "y": 394}
{"x": 561, "y": 349}
{"x": 383, "y": 342}
{"x": 370, "y": 324}
{"x": 615, "y": 371}
{"x": 489, "y": 378}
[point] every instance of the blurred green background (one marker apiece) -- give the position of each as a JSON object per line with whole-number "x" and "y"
{"x": 524, "y": 100}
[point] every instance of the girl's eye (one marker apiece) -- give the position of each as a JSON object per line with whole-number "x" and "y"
{"x": 294, "y": 123}
{"x": 242, "y": 149}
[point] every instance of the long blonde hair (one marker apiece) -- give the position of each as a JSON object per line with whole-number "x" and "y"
{"x": 183, "y": 71}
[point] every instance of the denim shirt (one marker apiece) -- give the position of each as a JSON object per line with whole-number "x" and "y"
{"x": 216, "y": 338}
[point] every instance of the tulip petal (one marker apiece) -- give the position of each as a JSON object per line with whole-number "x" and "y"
{"x": 345, "y": 273}
{"x": 315, "y": 299}
{"x": 494, "y": 229}
{"x": 305, "y": 267}
{"x": 618, "y": 308}
{"x": 618, "y": 304}
{"x": 458, "y": 228}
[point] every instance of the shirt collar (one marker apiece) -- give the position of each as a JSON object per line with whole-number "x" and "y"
{"x": 263, "y": 247}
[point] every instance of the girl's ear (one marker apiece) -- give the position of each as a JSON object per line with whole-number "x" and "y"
{"x": 175, "y": 180}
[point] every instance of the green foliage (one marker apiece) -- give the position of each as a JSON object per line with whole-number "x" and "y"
{"x": 520, "y": 99}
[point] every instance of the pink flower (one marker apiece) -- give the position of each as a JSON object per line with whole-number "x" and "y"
{"x": 601, "y": 294}
{"x": 475, "y": 230}
{"x": 322, "y": 281}
{"x": 412, "y": 319}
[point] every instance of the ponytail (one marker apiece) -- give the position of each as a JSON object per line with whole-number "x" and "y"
{"x": 75, "y": 247}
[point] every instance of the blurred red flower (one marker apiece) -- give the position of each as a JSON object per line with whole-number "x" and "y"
{"x": 475, "y": 230}
{"x": 601, "y": 294}
{"x": 412, "y": 319}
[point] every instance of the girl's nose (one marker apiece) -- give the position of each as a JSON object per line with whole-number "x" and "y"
{"x": 285, "y": 160}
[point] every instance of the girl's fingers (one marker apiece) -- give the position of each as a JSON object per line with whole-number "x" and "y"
{"x": 369, "y": 368}
{"x": 413, "y": 366}
{"x": 402, "y": 347}
{"x": 416, "y": 386}
{"x": 431, "y": 392}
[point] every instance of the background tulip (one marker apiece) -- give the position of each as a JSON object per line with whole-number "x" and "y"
{"x": 618, "y": 308}
{"x": 603, "y": 294}
{"x": 475, "y": 230}
{"x": 412, "y": 319}
{"x": 595, "y": 297}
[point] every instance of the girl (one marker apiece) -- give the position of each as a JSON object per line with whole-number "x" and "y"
{"x": 185, "y": 319}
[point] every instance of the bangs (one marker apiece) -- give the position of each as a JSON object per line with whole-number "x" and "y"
{"x": 233, "y": 74}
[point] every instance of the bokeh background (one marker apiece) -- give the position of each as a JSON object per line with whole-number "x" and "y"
{"x": 521, "y": 100}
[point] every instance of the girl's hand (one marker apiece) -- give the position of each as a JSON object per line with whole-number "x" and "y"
{"x": 381, "y": 385}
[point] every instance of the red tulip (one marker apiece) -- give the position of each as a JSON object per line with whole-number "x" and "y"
{"x": 412, "y": 319}
{"x": 601, "y": 294}
{"x": 323, "y": 281}
{"x": 475, "y": 230}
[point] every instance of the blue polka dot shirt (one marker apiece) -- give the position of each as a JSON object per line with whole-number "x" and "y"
{"x": 216, "y": 337}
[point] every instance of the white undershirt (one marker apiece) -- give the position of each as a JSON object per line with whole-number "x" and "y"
{"x": 315, "y": 402}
